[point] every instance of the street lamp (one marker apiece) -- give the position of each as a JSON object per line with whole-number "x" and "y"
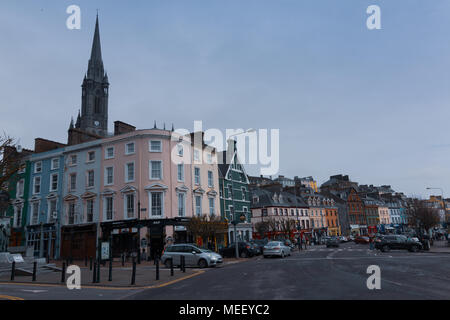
{"x": 234, "y": 221}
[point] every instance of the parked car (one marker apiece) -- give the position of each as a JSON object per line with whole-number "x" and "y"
{"x": 276, "y": 248}
{"x": 193, "y": 256}
{"x": 343, "y": 239}
{"x": 245, "y": 250}
{"x": 333, "y": 242}
{"x": 362, "y": 239}
{"x": 351, "y": 238}
{"x": 260, "y": 243}
{"x": 387, "y": 243}
{"x": 255, "y": 248}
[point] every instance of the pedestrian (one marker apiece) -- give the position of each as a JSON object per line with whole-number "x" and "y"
{"x": 371, "y": 243}
{"x": 300, "y": 243}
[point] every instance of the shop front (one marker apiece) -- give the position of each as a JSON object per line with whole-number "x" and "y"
{"x": 79, "y": 242}
{"x": 42, "y": 238}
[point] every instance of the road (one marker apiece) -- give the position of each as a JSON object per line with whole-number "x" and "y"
{"x": 318, "y": 273}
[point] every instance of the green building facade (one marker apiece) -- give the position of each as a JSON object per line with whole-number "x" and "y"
{"x": 234, "y": 197}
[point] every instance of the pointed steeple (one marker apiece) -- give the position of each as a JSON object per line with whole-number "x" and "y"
{"x": 71, "y": 124}
{"x": 78, "y": 123}
{"x": 96, "y": 71}
{"x": 96, "y": 53}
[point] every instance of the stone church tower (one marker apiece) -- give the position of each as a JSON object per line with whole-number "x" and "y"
{"x": 92, "y": 122}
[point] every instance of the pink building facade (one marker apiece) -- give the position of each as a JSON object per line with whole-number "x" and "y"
{"x": 150, "y": 189}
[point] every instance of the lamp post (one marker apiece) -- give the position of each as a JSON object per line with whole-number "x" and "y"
{"x": 234, "y": 221}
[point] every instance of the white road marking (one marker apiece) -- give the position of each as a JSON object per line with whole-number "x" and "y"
{"x": 35, "y": 291}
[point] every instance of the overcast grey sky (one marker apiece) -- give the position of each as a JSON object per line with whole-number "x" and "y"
{"x": 371, "y": 104}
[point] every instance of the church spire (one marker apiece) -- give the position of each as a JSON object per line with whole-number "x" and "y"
{"x": 96, "y": 71}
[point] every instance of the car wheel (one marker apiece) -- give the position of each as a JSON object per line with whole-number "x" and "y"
{"x": 203, "y": 264}
{"x": 265, "y": 257}
{"x": 282, "y": 254}
{"x": 414, "y": 249}
{"x": 385, "y": 248}
{"x": 243, "y": 254}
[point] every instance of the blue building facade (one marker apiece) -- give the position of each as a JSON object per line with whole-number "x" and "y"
{"x": 45, "y": 203}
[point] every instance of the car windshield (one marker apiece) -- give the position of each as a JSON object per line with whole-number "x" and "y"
{"x": 273, "y": 244}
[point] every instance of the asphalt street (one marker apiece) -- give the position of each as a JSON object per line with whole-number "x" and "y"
{"x": 318, "y": 273}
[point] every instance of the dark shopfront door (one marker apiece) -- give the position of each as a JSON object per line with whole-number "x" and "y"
{"x": 124, "y": 243}
{"x": 156, "y": 238}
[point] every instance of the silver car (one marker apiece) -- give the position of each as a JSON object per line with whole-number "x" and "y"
{"x": 193, "y": 256}
{"x": 276, "y": 248}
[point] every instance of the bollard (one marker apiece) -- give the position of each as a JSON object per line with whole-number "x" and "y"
{"x": 181, "y": 263}
{"x": 133, "y": 275}
{"x": 110, "y": 269}
{"x": 171, "y": 267}
{"x": 34, "y": 270}
{"x": 123, "y": 260}
{"x": 98, "y": 271}
{"x": 85, "y": 261}
{"x": 94, "y": 273}
{"x": 90, "y": 263}
{"x": 63, "y": 273}
{"x": 157, "y": 269}
{"x": 13, "y": 270}
{"x": 184, "y": 263}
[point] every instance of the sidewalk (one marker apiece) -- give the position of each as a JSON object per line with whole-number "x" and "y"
{"x": 440, "y": 247}
{"x": 121, "y": 277}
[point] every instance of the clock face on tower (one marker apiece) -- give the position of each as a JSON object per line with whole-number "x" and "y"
{"x": 96, "y": 123}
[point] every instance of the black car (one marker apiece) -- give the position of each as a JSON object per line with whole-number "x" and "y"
{"x": 387, "y": 243}
{"x": 259, "y": 244}
{"x": 332, "y": 242}
{"x": 245, "y": 250}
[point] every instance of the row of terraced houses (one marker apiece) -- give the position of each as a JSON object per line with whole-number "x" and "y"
{"x": 138, "y": 189}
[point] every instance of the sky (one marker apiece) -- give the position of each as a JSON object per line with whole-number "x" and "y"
{"x": 373, "y": 104}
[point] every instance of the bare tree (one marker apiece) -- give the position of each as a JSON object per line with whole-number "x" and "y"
{"x": 206, "y": 226}
{"x": 421, "y": 216}
{"x": 262, "y": 227}
{"x": 287, "y": 226}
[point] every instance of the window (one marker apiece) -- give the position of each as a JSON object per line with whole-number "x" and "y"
{"x": 18, "y": 216}
{"x": 181, "y": 172}
{"x": 155, "y": 146}
{"x": 34, "y": 213}
{"x": 90, "y": 210}
{"x": 243, "y": 193}
{"x": 197, "y": 176}
{"x": 180, "y": 150}
{"x": 181, "y": 204}
{"x": 71, "y": 213}
{"x": 209, "y": 158}
{"x": 198, "y": 205}
{"x": 155, "y": 170}
{"x": 73, "y": 182}
{"x": 129, "y": 205}
{"x": 37, "y": 185}
{"x": 73, "y": 159}
{"x": 109, "y": 208}
{"x": 156, "y": 204}
{"x": 129, "y": 172}
{"x": 275, "y": 211}
{"x": 210, "y": 179}
{"x": 130, "y": 148}
{"x": 52, "y": 210}
{"x": 109, "y": 176}
{"x": 212, "y": 206}
{"x": 55, "y": 164}
{"x": 90, "y": 178}
{"x": 20, "y": 188}
{"x": 196, "y": 155}
{"x": 230, "y": 191}
{"x": 91, "y": 156}
{"x": 54, "y": 182}
{"x": 109, "y": 153}
{"x": 38, "y": 167}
